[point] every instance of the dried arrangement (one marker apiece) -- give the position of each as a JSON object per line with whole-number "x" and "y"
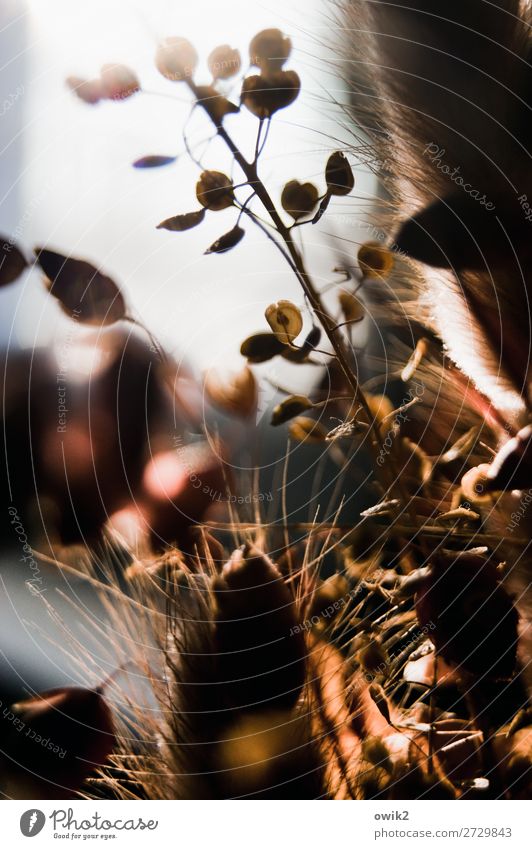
{"x": 399, "y": 671}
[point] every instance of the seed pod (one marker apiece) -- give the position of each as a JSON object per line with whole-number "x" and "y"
{"x": 265, "y": 95}
{"x": 238, "y": 396}
{"x": 379, "y": 697}
{"x": 260, "y": 651}
{"x": 153, "y": 161}
{"x": 179, "y": 223}
{"x": 285, "y": 320}
{"x": 216, "y": 105}
{"x": 352, "y": 308}
{"x": 227, "y": 241}
{"x": 81, "y": 289}
{"x": 474, "y": 485}
{"x": 269, "y": 50}
{"x": 307, "y": 430}
{"x": 12, "y": 261}
{"x": 261, "y": 347}
{"x": 118, "y": 82}
{"x": 299, "y": 199}
{"x": 374, "y": 260}
{"x": 176, "y": 59}
{"x": 214, "y": 190}
{"x": 339, "y": 175}
{"x": 289, "y": 408}
{"x": 224, "y": 62}
{"x": 90, "y": 91}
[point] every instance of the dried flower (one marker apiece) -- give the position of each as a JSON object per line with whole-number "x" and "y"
{"x": 299, "y": 199}
{"x": 224, "y": 62}
{"x": 269, "y": 50}
{"x": 375, "y": 260}
{"x": 214, "y": 190}
{"x": 176, "y": 59}
{"x": 285, "y": 320}
{"x": 265, "y": 95}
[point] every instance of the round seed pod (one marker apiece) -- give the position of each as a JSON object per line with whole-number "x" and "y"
{"x": 339, "y": 175}
{"x": 292, "y": 406}
{"x": 374, "y": 260}
{"x": 299, "y": 199}
{"x": 261, "y": 347}
{"x": 352, "y": 308}
{"x": 263, "y": 96}
{"x": 176, "y": 59}
{"x": 224, "y": 62}
{"x": 269, "y": 50}
{"x": 90, "y": 91}
{"x": 214, "y": 190}
{"x": 118, "y": 82}
{"x": 238, "y": 396}
{"x": 285, "y": 320}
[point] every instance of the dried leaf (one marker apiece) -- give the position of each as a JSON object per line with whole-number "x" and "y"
{"x": 261, "y": 347}
{"x": 179, "y": 223}
{"x": 237, "y": 396}
{"x": 460, "y": 515}
{"x": 118, "y": 82}
{"x": 385, "y": 508}
{"x": 379, "y": 697}
{"x": 227, "y": 241}
{"x": 325, "y": 201}
{"x": 12, "y": 261}
{"x": 224, "y": 62}
{"x": 290, "y": 408}
{"x": 153, "y": 161}
{"x": 415, "y": 359}
{"x": 83, "y": 292}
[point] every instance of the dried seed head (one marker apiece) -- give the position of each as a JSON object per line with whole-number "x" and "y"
{"x": 227, "y": 241}
{"x": 352, "y": 308}
{"x": 474, "y": 484}
{"x": 265, "y": 95}
{"x": 292, "y": 406}
{"x": 285, "y": 320}
{"x": 214, "y": 190}
{"x": 224, "y": 62}
{"x": 90, "y": 91}
{"x": 299, "y": 199}
{"x": 339, "y": 175}
{"x": 269, "y": 50}
{"x": 374, "y": 260}
{"x": 118, "y": 82}
{"x": 176, "y": 58}
{"x": 237, "y": 396}
{"x": 261, "y": 347}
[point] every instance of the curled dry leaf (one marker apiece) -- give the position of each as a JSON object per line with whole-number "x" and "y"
{"x": 299, "y": 199}
{"x": 292, "y": 406}
{"x": 237, "y": 396}
{"x": 415, "y": 359}
{"x": 215, "y": 104}
{"x": 12, "y": 261}
{"x": 89, "y": 91}
{"x": 285, "y": 320}
{"x": 227, "y": 241}
{"x": 179, "y": 223}
{"x": 176, "y": 59}
{"x": 304, "y": 429}
{"x": 214, "y": 190}
{"x": 461, "y": 516}
{"x": 374, "y": 260}
{"x": 118, "y": 82}
{"x": 224, "y": 62}
{"x": 265, "y": 95}
{"x": 153, "y": 161}
{"x": 339, "y": 175}
{"x": 352, "y": 308}
{"x": 261, "y": 347}
{"x": 269, "y": 50}
{"x": 83, "y": 292}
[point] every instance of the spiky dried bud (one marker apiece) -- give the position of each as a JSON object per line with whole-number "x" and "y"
{"x": 339, "y": 175}
{"x": 238, "y": 396}
{"x": 214, "y": 190}
{"x": 292, "y": 406}
{"x": 285, "y": 320}
{"x": 374, "y": 260}
{"x": 299, "y": 199}
{"x": 224, "y": 62}
{"x": 118, "y": 82}
{"x": 176, "y": 58}
{"x": 269, "y": 50}
{"x": 352, "y": 308}
{"x": 265, "y": 95}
